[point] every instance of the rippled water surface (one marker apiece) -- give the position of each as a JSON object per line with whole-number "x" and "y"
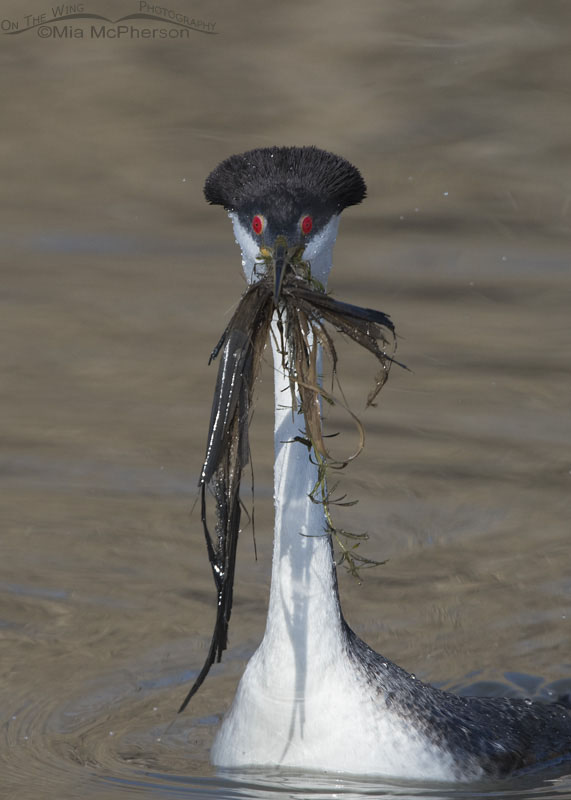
{"x": 116, "y": 281}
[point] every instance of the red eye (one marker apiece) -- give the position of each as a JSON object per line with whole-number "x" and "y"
{"x": 258, "y": 224}
{"x": 306, "y": 224}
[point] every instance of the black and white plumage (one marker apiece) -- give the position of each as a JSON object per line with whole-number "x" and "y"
{"x": 314, "y": 695}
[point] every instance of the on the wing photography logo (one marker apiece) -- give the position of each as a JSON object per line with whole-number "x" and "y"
{"x": 74, "y": 21}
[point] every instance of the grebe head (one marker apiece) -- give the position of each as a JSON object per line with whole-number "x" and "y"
{"x": 285, "y": 203}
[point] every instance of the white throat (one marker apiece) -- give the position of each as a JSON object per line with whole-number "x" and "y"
{"x": 319, "y": 250}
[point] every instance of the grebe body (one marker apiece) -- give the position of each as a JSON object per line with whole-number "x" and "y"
{"x": 314, "y": 696}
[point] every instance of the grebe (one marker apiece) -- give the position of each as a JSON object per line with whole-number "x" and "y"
{"x": 314, "y": 696}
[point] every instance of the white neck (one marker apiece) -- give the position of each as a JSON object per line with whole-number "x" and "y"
{"x": 304, "y": 617}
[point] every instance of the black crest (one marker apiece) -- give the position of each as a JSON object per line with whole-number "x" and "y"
{"x": 296, "y": 171}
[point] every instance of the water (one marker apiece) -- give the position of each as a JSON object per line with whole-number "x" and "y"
{"x": 117, "y": 280}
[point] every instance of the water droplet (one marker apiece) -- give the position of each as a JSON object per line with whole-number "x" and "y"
{"x": 155, "y": 708}
{"x": 445, "y": 194}
{"x": 111, "y": 733}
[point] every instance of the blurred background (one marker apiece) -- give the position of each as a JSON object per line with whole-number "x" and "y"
{"x": 117, "y": 280}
